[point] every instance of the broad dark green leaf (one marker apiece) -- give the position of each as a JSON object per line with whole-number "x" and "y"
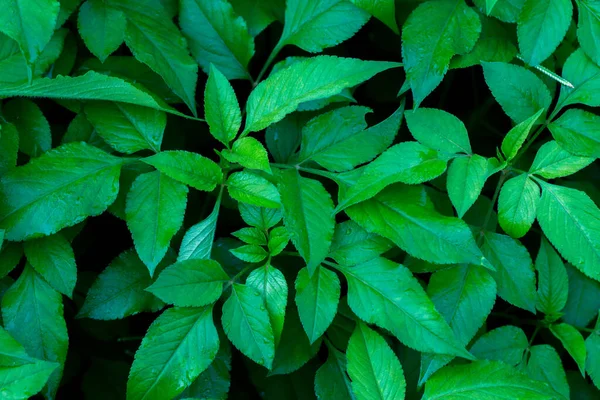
{"x": 179, "y": 345}
{"x": 577, "y": 132}
{"x": 9, "y": 147}
{"x": 507, "y": 344}
{"x": 544, "y": 365}
{"x": 198, "y": 240}
{"x": 249, "y": 153}
{"x": 331, "y": 380}
{"x": 66, "y": 185}
{"x": 514, "y": 139}
{"x": 284, "y": 137}
{"x": 517, "y": 205}
{"x": 259, "y": 14}
{"x": 80, "y": 130}
{"x": 383, "y": 10}
{"x": 385, "y": 293}
{"x": 553, "y": 283}
{"x": 584, "y": 75}
{"x": 592, "y": 365}
{"x": 248, "y": 187}
{"x": 583, "y": 302}
{"x": 190, "y": 283}
{"x": 35, "y": 137}
{"x": 552, "y": 161}
{"x": 217, "y": 35}
{"x": 438, "y": 130}
{"x": 308, "y": 216}
{"x": 190, "y": 168}
{"x": 10, "y": 256}
{"x": 101, "y": 27}
{"x": 572, "y": 341}
{"x": 221, "y": 107}
{"x": 466, "y": 177}
{"x": 588, "y": 28}
{"x": 373, "y": 367}
{"x": 154, "y": 213}
{"x": 352, "y": 244}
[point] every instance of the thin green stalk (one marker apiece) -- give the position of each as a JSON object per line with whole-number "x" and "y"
{"x": 268, "y": 63}
{"x": 324, "y": 174}
{"x": 491, "y": 208}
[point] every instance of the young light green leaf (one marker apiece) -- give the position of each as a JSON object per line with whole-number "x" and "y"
{"x": 251, "y": 236}
{"x": 308, "y": 216}
{"x": 588, "y": 28}
{"x": 577, "y": 132}
{"x": 247, "y": 187}
{"x": 66, "y": 184}
{"x": 373, "y": 367}
{"x": 217, "y": 35}
{"x": 438, "y": 130}
{"x": 331, "y": 380}
{"x": 127, "y": 128}
{"x": 383, "y": 10}
{"x": 406, "y": 216}
{"x": 179, "y": 345}
{"x": 35, "y": 137}
{"x": 271, "y": 284}
{"x": 32, "y": 313}
{"x": 101, "y": 27}
{"x": 386, "y": 294}
{"x": 250, "y": 253}
{"x": 278, "y": 240}
{"x": 30, "y": 25}
{"x": 466, "y": 177}
{"x": 407, "y": 162}
{"x": 190, "y": 283}
{"x": 583, "y": 302}
{"x": 9, "y": 147}
{"x": 592, "y": 365}
{"x": 573, "y": 342}
{"x": 154, "y": 213}
{"x": 514, "y": 273}
{"x": 585, "y": 76}
{"x": 552, "y": 161}
{"x": 316, "y": 26}
{"x": 517, "y": 205}
{"x": 198, "y": 240}
{"x": 249, "y": 153}
{"x": 354, "y": 245}
{"x": 519, "y": 91}
{"x": 514, "y": 139}
{"x": 571, "y": 221}
{"x": 317, "y": 298}
{"x": 118, "y": 292}
{"x": 432, "y": 34}
{"x": 544, "y": 365}
{"x": 322, "y": 76}
{"x": 260, "y": 217}
{"x": 190, "y": 168}
{"x": 507, "y": 344}
{"x": 246, "y": 323}
{"x": 553, "y": 284}
{"x": 221, "y": 107}
{"x": 541, "y": 27}
{"x": 482, "y": 379}
{"x": 52, "y": 257}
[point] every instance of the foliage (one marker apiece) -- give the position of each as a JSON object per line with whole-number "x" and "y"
{"x": 294, "y": 199}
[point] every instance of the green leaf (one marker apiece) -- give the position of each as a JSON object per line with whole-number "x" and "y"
{"x": 514, "y": 273}
{"x": 317, "y": 298}
{"x": 21, "y": 376}
{"x": 517, "y": 205}
{"x": 35, "y": 137}
{"x": 52, "y": 257}
{"x": 553, "y": 284}
{"x": 198, "y": 240}
{"x": 9, "y": 147}
{"x": 221, "y": 107}
{"x": 583, "y": 302}
{"x": 514, "y": 139}
{"x": 439, "y": 130}
{"x": 432, "y": 34}
{"x": 251, "y": 236}
{"x": 489, "y": 6}
{"x": 154, "y": 213}
{"x": 249, "y": 153}
{"x": 80, "y": 130}
{"x": 66, "y": 184}
{"x": 33, "y": 314}
{"x": 190, "y": 283}
{"x": 541, "y": 27}
{"x": 247, "y": 187}
{"x": 466, "y": 177}
{"x": 322, "y": 76}
{"x": 573, "y": 342}
{"x": 406, "y": 216}
{"x": 271, "y": 284}
{"x": 190, "y": 168}
{"x": 544, "y": 365}
{"x": 118, "y": 292}
{"x": 30, "y": 25}
{"x": 259, "y": 15}
{"x": 154, "y": 40}
{"x": 577, "y": 132}
{"x": 482, "y": 379}
{"x": 250, "y": 253}
{"x": 316, "y": 26}
{"x": 353, "y": 245}
{"x": 246, "y": 322}
{"x": 571, "y": 221}
{"x": 127, "y": 128}
{"x": 386, "y": 294}
{"x": 331, "y": 380}
{"x": 284, "y": 137}
{"x": 373, "y": 367}
{"x": 383, "y": 10}
{"x": 101, "y": 27}
{"x": 592, "y": 366}
{"x": 588, "y": 28}
{"x": 179, "y": 345}
{"x": 552, "y": 161}
{"x": 407, "y": 162}
{"x": 507, "y": 344}
{"x": 278, "y": 240}
{"x": 519, "y": 91}
{"x": 585, "y": 77}
{"x": 260, "y": 217}
{"x": 308, "y": 216}
{"x": 10, "y": 256}
{"x": 217, "y": 35}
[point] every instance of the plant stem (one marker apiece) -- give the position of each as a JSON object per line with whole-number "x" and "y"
{"x": 324, "y": 174}
{"x": 491, "y": 208}
{"x": 270, "y": 60}
{"x": 529, "y": 143}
